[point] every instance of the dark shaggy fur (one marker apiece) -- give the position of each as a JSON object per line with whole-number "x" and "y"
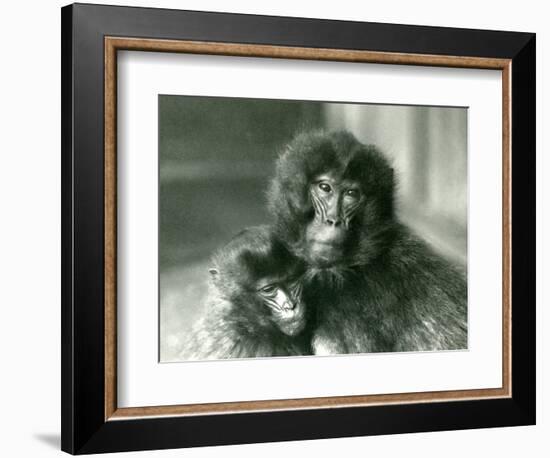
{"x": 390, "y": 292}
{"x": 235, "y": 323}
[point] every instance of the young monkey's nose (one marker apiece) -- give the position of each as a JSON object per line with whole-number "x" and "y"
{"x": 288, "y": 305}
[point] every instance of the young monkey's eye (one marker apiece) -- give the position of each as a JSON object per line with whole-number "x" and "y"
{"x": 268, "y": 289}
{"x": 324, "y": 187}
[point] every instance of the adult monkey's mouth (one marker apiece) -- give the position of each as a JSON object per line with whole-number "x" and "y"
{"x": 325, "y": 244}
{"x": 326, "y": 234}
{"x": 325, "y": 251}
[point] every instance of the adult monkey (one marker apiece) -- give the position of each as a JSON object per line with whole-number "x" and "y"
{"x": 375, "y": 286}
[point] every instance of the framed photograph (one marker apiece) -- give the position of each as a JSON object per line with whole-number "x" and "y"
{"x": 281, "y": 228}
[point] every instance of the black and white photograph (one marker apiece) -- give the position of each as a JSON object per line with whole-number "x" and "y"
{"x": 292, "y": 228}
{"x": 275, "y": 229}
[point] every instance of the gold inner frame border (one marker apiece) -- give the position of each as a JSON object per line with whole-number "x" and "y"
{"x": 114, "y": 44}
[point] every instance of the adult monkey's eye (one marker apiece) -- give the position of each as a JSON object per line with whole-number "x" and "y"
{"x": 353, "y": 193}
{"x": 325, "y": 187}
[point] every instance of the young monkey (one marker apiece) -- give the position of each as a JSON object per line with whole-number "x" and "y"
{"x": 254, "y": 307}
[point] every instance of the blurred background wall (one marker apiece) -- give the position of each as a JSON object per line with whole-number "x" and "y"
{"x": 217, "y": 156}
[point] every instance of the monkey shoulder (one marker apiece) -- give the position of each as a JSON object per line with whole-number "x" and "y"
{"x": 222, "y": 333}
{"x": 430, "y": 297}
{"x": 209, "y": 338}
{"x": 409, "y": 299}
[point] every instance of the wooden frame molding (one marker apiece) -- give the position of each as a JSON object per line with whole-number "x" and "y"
{"x": 111, "y": 46}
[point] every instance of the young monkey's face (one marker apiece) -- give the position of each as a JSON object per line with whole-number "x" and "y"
{"x": 283, "y": 298}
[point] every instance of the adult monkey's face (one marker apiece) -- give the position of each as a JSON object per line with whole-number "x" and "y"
{"x": 336, "y": 200}
{"x": 332, "y": 200}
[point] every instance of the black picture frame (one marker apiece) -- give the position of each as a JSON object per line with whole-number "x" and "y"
{"x": 84, "y": 427}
